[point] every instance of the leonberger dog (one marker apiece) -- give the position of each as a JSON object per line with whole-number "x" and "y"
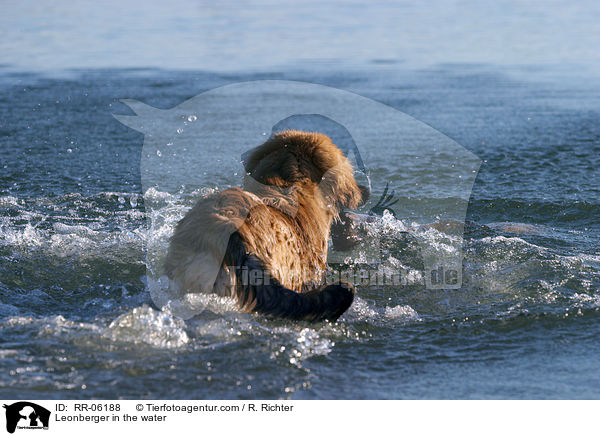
{"x": 266, "y": 245}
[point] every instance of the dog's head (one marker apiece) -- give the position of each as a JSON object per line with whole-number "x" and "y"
{"x": 294, "y": 158}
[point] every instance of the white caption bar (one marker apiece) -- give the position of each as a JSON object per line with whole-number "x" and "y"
{"x": 160, "y": 417}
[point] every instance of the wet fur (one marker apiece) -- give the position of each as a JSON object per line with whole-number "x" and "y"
{"x": 276, "y": 228}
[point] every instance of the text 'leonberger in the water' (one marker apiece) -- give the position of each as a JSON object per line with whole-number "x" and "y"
{"x": 266, "y": 245}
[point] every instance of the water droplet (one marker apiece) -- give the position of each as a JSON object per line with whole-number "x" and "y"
{"x": 121, "y": 199}
{"x": 133, "y": 201}
{"x": 179, "y": 131}
{"x": 158, "y": 153}
{"x": 69, "y": 150}
{"x": 192, "y": 118}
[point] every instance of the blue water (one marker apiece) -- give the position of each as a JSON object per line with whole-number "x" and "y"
{"x": 515, "y": 85}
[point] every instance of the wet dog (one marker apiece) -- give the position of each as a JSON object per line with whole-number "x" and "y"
{"x": 266, "y": 245}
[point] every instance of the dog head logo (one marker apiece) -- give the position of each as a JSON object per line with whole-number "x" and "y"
{"x": 198, "y": 146}
{"x": 26, "y": 415}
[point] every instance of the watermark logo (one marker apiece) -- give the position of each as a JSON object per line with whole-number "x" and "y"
{"x": 199, "y": 146}
{"x": 25, "y": 415}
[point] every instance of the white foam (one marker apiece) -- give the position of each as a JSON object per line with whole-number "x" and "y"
{"x": 364, "y": 311}
{"x": 510, "y": 241}
{"x": 295, "y": 344}
{"x": 48, "y": 326}
{"x": 585, "y": 299}
{"x": 74, "y": 240}
{"x": 144, "y": 325}
{"x": 402, "y": 312}
{"x": 8, "y": 201}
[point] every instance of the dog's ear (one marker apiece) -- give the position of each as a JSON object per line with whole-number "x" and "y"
{"x": 339, "y": 187}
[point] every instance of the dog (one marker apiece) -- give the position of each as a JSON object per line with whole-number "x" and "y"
{"x": 266, "y": 245}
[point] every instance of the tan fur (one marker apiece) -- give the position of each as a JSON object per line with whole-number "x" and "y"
{"x": 296, "y": 184}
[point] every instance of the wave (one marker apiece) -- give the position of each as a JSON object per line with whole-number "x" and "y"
{"x": 107, "y": 233}
{"x": 573, "y": 212}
